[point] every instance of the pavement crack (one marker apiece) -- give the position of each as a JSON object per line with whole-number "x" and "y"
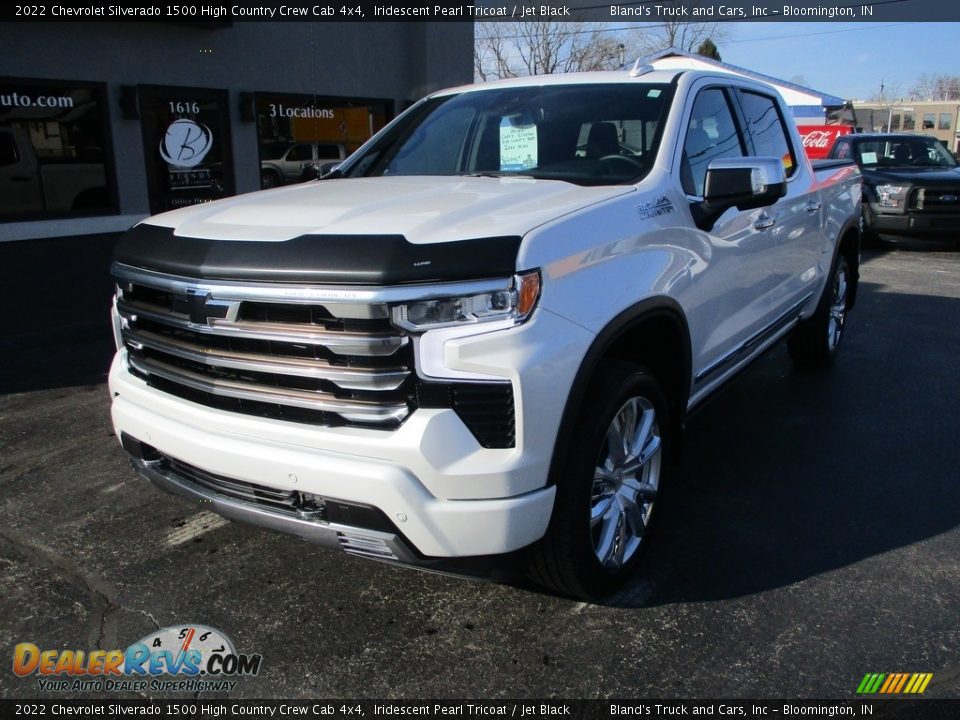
{"x": 102, "y": 603}
{"x": 156, "y": 625}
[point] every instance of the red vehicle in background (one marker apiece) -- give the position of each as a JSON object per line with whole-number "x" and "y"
{"x": 818, "y": 139}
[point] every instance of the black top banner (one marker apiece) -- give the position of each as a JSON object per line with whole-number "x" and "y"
{"x": 646, "y": 11}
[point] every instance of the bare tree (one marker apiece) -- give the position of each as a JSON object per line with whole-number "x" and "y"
{"x": 503, "y": 50}
{"x": 681, "y": 35}
{"x": 936, "y": 87}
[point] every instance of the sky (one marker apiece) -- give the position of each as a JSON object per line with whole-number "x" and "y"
{"x": 849, "y": 60}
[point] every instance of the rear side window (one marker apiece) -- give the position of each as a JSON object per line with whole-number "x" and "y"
{"x": 842, "y": 151}
{"x": 711, "y": 134}
{"x": 766, "y": 130}
{"x": 300, "y": 152}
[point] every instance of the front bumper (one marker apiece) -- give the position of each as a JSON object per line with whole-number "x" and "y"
{"x": 446, "y": 496}
{"x": 916, "y": 224}
{"x": 430, "y": 526}
{"x": 366, "y": 542}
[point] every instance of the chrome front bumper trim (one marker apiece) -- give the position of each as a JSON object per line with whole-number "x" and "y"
{"x": 371, "y": 544}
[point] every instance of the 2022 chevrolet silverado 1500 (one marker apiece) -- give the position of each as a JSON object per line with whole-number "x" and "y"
{"x": 480, "y": 338}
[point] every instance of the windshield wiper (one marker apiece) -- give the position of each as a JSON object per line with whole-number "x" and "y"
{"x": 496, "y": 175}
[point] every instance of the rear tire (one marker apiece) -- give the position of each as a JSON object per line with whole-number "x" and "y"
{"x": 815, "y": 342}
{"x": 269, "y": 179}
{"x": 608, "y": 485}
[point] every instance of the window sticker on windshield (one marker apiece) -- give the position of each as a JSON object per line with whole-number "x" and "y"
{"x": 653, "y": 94}
{"x": 518, "y": 145}
{"x": 868, "y": 158}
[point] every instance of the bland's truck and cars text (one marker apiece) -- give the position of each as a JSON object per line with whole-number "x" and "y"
{"x": 477, "y": 339}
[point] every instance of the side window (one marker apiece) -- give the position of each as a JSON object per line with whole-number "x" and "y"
{"x": 328, "y": 151}
{"x": 8, "y": 150}
{"x": 843, "y": 150}
{"x": 300, "y": 152}
{"x": 711, "y": 134}
{"x": 765, "y": 128}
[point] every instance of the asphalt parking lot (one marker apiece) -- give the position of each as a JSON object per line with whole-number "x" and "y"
{"x": 813, "y": 537}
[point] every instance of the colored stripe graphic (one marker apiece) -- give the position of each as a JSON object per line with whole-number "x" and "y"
{"x": 894, "y": 683}
{"x": 903, "y": 680}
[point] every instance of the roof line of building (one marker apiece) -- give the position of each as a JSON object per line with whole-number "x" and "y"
{"x": 827, "y": 100}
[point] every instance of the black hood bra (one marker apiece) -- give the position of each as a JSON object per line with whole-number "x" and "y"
{"x": 334, "y": 259}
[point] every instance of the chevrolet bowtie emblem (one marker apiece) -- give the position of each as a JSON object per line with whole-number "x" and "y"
{"x": 201, "y": 307}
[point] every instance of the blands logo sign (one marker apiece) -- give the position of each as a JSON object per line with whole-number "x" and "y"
{"x": 894, "y": 683}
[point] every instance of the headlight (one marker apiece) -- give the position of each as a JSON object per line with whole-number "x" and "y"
{"x": 514, "y": 302}
{"x": 891, "y": 196}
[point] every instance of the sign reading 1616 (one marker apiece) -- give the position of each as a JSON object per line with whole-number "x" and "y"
{"x": 183, "y": 107}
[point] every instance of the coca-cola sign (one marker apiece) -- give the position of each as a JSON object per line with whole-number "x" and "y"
{"x": 818, "y": 139}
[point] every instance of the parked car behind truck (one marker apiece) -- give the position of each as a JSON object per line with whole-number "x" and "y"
{"x": 479, "y": 339}
{"x": 28, "y": 186}
{"x": 911, "y": 185}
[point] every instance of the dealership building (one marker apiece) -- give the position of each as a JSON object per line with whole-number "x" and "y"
{"x": 104, "y": 123}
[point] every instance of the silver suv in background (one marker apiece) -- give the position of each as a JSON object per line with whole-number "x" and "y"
{"x": 292, "y": 163}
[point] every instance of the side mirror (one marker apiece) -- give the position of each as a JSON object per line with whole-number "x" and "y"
{"x": 328, "y": 168}
{"x": 744, "y": 183}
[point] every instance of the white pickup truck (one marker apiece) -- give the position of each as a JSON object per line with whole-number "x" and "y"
{"x": 475, "y": 344}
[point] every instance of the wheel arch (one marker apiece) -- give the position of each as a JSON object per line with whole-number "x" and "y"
{"x": 654, "y": 333}
{"x": 848, "y": 245}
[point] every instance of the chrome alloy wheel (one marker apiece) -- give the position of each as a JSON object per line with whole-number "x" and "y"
{"x": 838, "y": 308}
{"x": 625, "y": 483}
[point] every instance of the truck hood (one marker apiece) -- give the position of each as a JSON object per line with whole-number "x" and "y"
{"x": 914, "y": 176}
{"x": 424, "y": 210}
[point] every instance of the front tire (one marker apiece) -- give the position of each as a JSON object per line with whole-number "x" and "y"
{"x": 608, "y": 487}
{"x": 815, "y": 341}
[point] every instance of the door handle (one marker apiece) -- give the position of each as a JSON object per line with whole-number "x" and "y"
{"x": 763, "y": 222}
{"x": 21, "y": 178}
{"x": 813, "y": 206}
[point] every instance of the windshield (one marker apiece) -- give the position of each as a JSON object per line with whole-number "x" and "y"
{"x": 903, "y": 152}
{"x": 583, "y": 134}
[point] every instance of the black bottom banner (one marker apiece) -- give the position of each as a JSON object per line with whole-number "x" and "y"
{"x": 196, "y": 709}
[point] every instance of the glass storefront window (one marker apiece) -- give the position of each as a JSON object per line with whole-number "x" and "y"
{"x": 299, "y": 134}
{"x": 944, "y": 121}
{"x": 186, "y": 141}
{"x": 54, "y": 150}
{"x": 909, "y": 121}
{"x": 928, "y": 121}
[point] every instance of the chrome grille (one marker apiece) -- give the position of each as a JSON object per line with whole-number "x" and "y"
{"x": 236, "y": 347}
{"x": 284, "y": 501}
{"x": 937, "y": 199}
